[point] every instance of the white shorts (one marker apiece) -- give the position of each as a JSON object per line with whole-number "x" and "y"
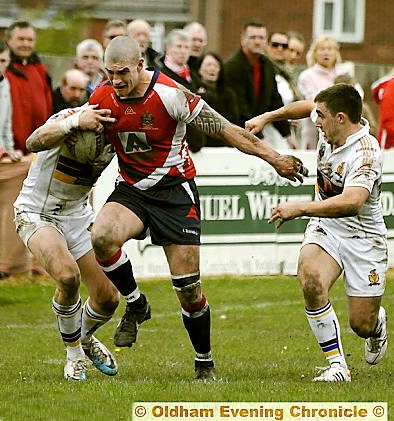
{"x": 75, "y": 229}
{"x": 363, "y": 260}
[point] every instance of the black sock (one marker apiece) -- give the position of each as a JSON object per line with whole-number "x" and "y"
{"x": 199, "y": 330}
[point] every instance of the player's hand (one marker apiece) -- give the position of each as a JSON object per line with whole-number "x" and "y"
{"x": 94, "y": 119}
{"x": 291, "y": 167}
{"x": 284, "y": 212}
{"x": 256, "y": 124}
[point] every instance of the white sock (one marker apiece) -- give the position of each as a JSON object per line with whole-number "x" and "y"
{"x": 325, "y": 326}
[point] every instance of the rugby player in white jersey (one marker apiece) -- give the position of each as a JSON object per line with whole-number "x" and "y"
{"x": 156, "y": 188}
{"x": 53, "y": 217}
{"x": 346, "y": 233}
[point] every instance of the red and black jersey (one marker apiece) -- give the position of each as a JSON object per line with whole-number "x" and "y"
{"x": 149, "y": 135}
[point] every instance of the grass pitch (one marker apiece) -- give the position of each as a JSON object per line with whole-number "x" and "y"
{"x": 263, "y": 347}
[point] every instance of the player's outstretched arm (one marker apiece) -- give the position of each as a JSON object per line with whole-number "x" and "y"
{"x": 292, "y": 111}
{"x": 52, "y": 133}
{"x": 212, "y": 123}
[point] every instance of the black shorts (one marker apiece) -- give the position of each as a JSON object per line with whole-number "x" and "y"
{"x": 172, "y": 214}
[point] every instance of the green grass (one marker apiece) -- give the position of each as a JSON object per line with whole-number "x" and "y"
{"x": 263, "y": 348}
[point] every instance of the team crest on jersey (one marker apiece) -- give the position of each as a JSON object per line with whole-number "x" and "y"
{"x": 147, "y": 119}
{"x": 129, "y": 110}
{"x": 340, "y": 169}
{"x": 373, "y": 278}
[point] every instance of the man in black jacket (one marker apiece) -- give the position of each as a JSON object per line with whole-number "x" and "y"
{"x": 252, "y": 76}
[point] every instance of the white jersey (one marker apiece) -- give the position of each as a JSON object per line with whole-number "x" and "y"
{"x": 358, "y": 163}
{"x": 57, "y": 183}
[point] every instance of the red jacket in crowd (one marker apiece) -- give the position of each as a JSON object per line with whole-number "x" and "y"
{"x": 31, "y": 95}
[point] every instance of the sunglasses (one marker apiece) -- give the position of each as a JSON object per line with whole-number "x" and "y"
{"x": 279, "y": 44}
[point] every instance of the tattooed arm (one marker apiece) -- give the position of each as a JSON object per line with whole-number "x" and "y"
{"x": 212, "y": 123}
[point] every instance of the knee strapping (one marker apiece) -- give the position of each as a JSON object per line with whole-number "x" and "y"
{"x": 186, "y": 282}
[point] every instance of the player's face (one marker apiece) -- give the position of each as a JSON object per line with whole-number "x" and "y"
{"x": 328, "y": 124}
{"x": 22, "y": 42}
{"x": 254, "y": 40}
{"x": 124, "y": 77}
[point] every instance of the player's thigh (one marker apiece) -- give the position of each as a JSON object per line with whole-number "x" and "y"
{"x": 50, "y": 248}
{"x": 100, "y": 288}
{"x": 115, "y": 224}
{"x": 317, "y": 272}
{"x": 183, "y": 259}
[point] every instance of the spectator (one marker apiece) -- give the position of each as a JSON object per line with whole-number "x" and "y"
{"x": 383, "y": 94}
{"x": 72, "y": 92}
{"x": 89, "y": 59}
{"x": 31, "y": 90}
{"x": 6, "y": 136}
{"x": 216, "y": 92}
{"x": 367, "y": 110}
{"x": 31, "y": 97}
{"x": 139, "y": 29}
{"x": 198, "y": 35}
{"x": 112, "y": 29}
{"x": 252, "y": 76}
{"x": 174, "y": 64}
{"x": 10, "y": 246}
{"x": 278, "y": 51}
{"x": 322, "y": 59}
{"x": 296, "y": 47}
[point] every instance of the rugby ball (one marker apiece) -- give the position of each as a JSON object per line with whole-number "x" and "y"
{"x": 88, "y": 145}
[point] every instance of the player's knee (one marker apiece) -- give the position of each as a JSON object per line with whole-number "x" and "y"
{"x": 67, "y": 279}
{"x": 101, "y": 241}
{"x": 188, "y": 289}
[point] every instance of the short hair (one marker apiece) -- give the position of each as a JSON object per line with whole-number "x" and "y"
{"x": 90, "y": 44}
{"x": 177, "y": 34}
{"x": 123, "y": 47}
{"x": 277, "y": 33}
{"x": 256, "y": 23}
{"x": 22, "y": 24}
{"x": 342, "y": 98}
{"x": 3, "y": 46}
{"x": 114, "y": 24}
